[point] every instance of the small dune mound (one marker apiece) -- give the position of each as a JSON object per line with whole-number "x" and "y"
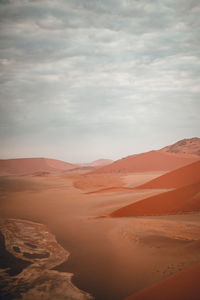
{"x": 178, "y": 178}
{"x": 183, "y": 285}
{"x": 179, "y": 201}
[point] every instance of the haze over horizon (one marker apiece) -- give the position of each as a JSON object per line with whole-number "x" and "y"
{"x": 88, "y": 79}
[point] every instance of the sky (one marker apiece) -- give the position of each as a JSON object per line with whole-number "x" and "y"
{"x": 88, "y": 79}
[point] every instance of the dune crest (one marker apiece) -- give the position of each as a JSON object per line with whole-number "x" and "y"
{"x": 183, "y": 200}
{"x": 148, "y": 162}
{"x": 178, "y": 178}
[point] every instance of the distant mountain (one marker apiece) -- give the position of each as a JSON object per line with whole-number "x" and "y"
{"x": 186, "y": 146}
{"x": 33, "y": 165}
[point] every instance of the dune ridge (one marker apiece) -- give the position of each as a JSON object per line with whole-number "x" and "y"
{"x": 147, "y": 162}
{"x": 177, "y": 178}
{"x": 183, "y": 200}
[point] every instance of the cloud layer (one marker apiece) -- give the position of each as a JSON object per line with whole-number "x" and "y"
{"x": 82, "y": 79}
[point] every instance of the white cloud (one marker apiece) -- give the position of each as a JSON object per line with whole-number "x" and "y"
{"x": 74, "y": 70}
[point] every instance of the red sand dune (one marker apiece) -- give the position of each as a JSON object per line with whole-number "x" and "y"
{"x": 183, "y": 285}
{"x": 180, "y": 177}
{"x": 183, "y": 200}
{"x": 188, "y": 146}
{"x": 32, "y": 165}
{"x": 147, "y": 162}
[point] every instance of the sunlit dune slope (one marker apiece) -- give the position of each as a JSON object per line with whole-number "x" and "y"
{"x": 180, "y": 177}
{"x": 148, "y": 162}
{"x": 183, "y": 285}
{"x": 183, "y": 200}
{"x": 31, "y": 165}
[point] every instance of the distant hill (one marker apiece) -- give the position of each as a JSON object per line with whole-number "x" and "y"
{"x": 32, "y": 165}
{"x": 186, "y": 146}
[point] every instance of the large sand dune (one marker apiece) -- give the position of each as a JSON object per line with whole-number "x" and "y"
{"x": 183, "y": 285}
{"x": 180, "y": 177}
{"x": 31, "y": 165}
{"x": 148, "y": 162}
{"x": 179, "y": 201}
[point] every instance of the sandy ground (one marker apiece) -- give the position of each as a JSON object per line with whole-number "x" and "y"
{"x": 110, "y": 258}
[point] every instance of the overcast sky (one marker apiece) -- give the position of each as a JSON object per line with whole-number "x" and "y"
{"x": 86, "y": 79}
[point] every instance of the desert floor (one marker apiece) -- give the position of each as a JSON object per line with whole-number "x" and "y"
{"x": 111, "y": 258}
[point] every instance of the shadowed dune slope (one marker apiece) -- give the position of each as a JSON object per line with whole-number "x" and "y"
{"x": 179, "y": 201}
{"x": 183, "y": 285}
{"x": 147, "y": 162}
{"x": 31, "y": 165}
{"x": 180, "y": 177}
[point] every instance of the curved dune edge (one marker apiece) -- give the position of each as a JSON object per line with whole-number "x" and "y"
{"x": 183, "y": 285}
{"x": 111, "y": 189}
{"x": 175, "y": 179}
{"x": 179, "y": 201}
{"x": 32, "y": 243}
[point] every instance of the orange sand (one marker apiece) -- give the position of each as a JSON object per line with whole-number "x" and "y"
{"x": 110, "y": 257}
{"x": 183, "y": 285}
{"x": 113, "y": 258}
{"x": 183, "y": 176}
{"x": 147, "y": 162}
{"x": 31, "y": 165}
{"x": 182, "y": 200}
{"x": 97, "y": 181}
